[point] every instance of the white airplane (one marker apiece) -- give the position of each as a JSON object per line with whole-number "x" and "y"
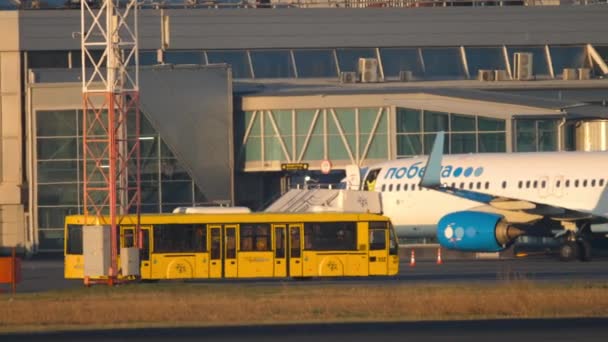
{"x": 483, "y": 202}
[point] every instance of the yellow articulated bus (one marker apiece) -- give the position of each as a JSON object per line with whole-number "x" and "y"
{"x": 251, "y": 245}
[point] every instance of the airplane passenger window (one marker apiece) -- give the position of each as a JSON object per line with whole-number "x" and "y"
{"x": 462, "y": 185}
{"x": 601, "y": 182}
{"x": 470, "y": 185}
{"x": 398, "y": 187}
{"x": 519, "y": 185}
{"x": 543, "y": 184}
{"x": 527, "y": 184}
{"x": 504, "y": 184}
{"x": 585, "y": 183}
{"x": 478, "y": 185}
{"x": 557, "y": 183}
{"x": 453, "y": 185}
{"x": 576, "y": 183}
{"x": 404, "y": 187}
{"x": 567, "y": 183}
{"x": 487, "y": 185}
{"x": 593, "y": 182}
{"x": 535, "y": 184}
{"x": 390, "y": 187}
{"x": 383, "y": 187}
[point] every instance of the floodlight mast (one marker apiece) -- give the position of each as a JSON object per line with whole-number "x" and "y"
{"x": 110, "y": 117}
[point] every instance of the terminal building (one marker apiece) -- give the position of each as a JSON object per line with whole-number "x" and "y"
{"x": 229, "y": 96}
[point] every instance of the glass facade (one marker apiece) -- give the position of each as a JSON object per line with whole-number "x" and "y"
{"x": 443, "y": 63}
{"x": 416, "y": 130}
{"x": 534, "y": 135}
{"x": 486, "y": 58}
{"x": 315, "y": 63}
{"x": 540, "y": 61}
{"x": 314, "y": 134}
{"x": 272, "y": 64}
{"x": 395, "y": 60}
{"x": 59, "y": 169}
{"x": 430, "y": 63}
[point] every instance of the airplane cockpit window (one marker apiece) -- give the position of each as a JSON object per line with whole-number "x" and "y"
{"x": 370, "y": 180}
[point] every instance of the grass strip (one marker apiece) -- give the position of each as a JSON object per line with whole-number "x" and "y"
{"x": 187, "y": 304}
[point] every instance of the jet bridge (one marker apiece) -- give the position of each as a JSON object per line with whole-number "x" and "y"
{"x": 327, "y": 200}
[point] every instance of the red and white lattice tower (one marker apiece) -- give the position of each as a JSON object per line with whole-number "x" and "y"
{"x": 111, "y": 118}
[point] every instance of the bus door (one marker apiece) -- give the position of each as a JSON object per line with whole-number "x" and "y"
{"x": 230, "y": 264}
{"x": 280, "y": 257}
{"x": 144, "y": 253}
{"x": 295, "y": 250}
{"x": 127, "y": 240}
{"x": 378, "y": 251}
{"x": 215, "y": 251}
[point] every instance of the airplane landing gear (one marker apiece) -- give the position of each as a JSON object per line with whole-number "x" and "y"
{"x": 568, "y": 251}
{"x": 577, "y": 244}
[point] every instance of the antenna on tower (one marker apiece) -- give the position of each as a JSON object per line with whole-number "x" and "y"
{"x": 111, "y": 125}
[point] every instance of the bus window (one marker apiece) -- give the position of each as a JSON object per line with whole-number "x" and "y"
{"x": 246, "y": 238}
{"x": 328, "y": 236}
{"x": 129, "y": 239}
{"x": 377, "y": 239}
{"x": 200, "y": 239}
{"x": 230, "y": 243}
{"x": 74, "y": 243}
{"x": 393, "y": 244}
{"x": 255, "y": 237}
{"x": 216, "y": 244}
{"x": 144, "y": 253}
{"x": 262, "y": 238}
{"x": 279, "y": 245}
{"x": 295, "y": 242}
{"x": 178, "y": 238}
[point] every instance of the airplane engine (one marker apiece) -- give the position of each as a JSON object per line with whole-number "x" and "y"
{"x": 474, "y": 231}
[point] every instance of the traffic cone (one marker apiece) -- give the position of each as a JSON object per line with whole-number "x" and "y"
{"x": 439, "y": 261}
{"x": 413, "y": 259}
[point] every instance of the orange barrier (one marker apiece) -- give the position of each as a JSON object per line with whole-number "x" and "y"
{"x": 439, "y": 260}
{"x": 10, "y": 270}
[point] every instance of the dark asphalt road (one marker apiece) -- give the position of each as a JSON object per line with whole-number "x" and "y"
{"x": 492, "y": 330}
{"x": 44, "y": 275}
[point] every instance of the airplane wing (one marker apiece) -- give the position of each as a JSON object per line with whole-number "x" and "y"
{"x": 431, "y": 179}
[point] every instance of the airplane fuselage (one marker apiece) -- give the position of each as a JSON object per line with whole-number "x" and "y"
{"x": 574, "y": 180}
